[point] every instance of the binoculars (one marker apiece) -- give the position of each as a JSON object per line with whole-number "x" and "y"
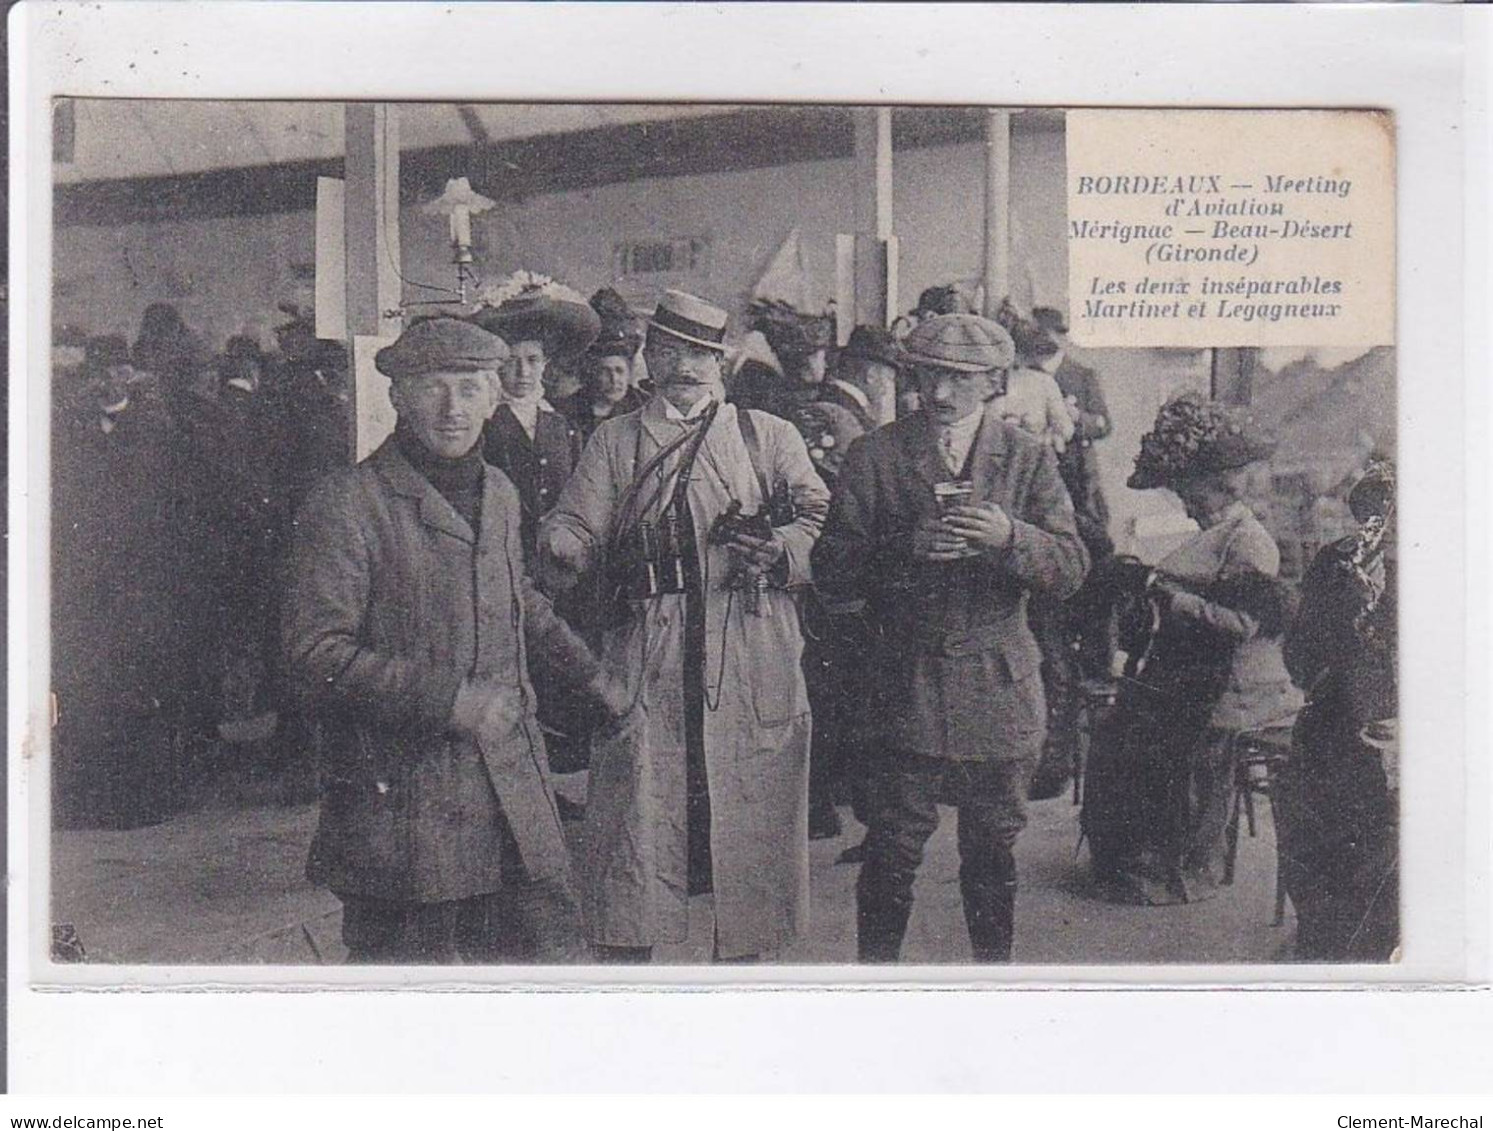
{"x": 651, "y": 562}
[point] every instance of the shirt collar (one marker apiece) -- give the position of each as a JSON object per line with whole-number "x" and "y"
{"x": 672, "y": 413}
{"x": 968, "y": 426}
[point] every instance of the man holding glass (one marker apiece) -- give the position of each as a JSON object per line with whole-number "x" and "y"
{"x": 942, "y": 523}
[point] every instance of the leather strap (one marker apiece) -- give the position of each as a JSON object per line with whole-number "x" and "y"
{"x": 754, "y": 452}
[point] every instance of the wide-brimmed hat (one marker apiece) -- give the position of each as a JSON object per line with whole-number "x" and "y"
{"x": 964, "y": 342}
{"x": 1193, "y": 437}
{"x": 621, "y": 332}
{"x": 1051, "y": 319}
{"x": 874, "y": 343}
{"x": 1031, "y": 341}
{"x": 241, "y": 347}
{"x": 534, "y": 308}
{"x": 1373, "y": 495}
{"x": 949, "y": 298}
{"x": 691, "y": 319}
{"x": 441, "y": 345}
{"x": 790, "y": 332}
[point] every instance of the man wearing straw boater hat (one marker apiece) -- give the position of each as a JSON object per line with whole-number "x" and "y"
{"x": 694, "y": 521}
{"x": 409, "y": 630}
{"x": 942, "y": 523}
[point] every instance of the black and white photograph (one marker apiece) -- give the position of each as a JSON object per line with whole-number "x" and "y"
{"x": 683, "y": 534}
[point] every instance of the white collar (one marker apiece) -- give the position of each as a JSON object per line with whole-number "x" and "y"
{"x": 1051, "y": 364}
{"x": 672, "y": 413}
{"x": 965, "y": 426}
{"x": 857, "y": 394}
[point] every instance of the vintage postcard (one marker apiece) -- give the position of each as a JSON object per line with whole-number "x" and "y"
{"x": 674, "y": 534}
{"x": 609, "y": 500}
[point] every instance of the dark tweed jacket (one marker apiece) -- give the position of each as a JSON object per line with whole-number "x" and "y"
{"x": 392, "y": 601}
{"x": 956, "y": 662}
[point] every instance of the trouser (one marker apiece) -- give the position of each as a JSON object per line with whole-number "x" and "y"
{"x": 905, "y": 792}
{"x": 836, "y": 647}
{"x": 1058, "y": 638}
{"x": 1337, "y": 833}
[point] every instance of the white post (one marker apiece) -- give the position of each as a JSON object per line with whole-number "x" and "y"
{"x": 371, "y": 226}
{"x": 997, "y": 274}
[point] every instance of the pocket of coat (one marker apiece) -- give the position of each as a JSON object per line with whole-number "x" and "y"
{"x": 776, "y": 671}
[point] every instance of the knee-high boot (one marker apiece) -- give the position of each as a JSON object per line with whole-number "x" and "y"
{"x": 881, "y": 915}
{"x": 990, "y": 907}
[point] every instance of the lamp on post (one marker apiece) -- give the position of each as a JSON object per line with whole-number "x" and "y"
{"x": 458, "y": 203}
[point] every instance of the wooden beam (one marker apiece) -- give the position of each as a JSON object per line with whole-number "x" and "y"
{"x": 747, "y": 138}
{"x": 371, "y": 228}
{"x": 371, "y": 218}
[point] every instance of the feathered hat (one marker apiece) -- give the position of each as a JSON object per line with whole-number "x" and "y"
{"x": 530, "y": 307}
{"x": 1193, "y": 436}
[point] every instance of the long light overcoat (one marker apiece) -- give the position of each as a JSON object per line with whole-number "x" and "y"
{"x": 955, "y": 661}
{"x": 393, "y": 600}
{"x": 633, "y": 873}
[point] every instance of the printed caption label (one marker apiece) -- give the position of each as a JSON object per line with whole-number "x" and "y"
{"x": 1198, "y": 228}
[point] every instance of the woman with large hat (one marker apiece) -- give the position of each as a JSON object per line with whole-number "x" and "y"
{"x": 606, "y": 368}
{"x": 542, "y": 322}
{"x": 1203, "y": 629}
{"x": 790, "y": 373}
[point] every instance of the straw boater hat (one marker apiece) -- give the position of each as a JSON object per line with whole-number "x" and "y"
{"x": 963, "y": 342}
{"x": 527, "y": 307}
{"x": 1194, "y": 437}
{"x": 690, "y": 319}
{"x": 441, "y": 345}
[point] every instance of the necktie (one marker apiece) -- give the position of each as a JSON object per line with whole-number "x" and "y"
{"x": 946, "y": 449}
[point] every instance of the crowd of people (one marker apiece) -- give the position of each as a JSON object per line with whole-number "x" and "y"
{"x": 176, "y": 475}
{"x": 746, "y": 590}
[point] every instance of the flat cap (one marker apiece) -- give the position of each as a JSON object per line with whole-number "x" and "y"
{"x": 965, "y": 342}
{"x": 436, "y": 345}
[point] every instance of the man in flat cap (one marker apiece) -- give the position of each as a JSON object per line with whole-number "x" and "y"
{"x": 695, "y": 519}
{"x": 408, "y": 629}
{"x": 943, "y": 522}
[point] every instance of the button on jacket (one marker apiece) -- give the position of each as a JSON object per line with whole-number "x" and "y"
{"x": 538, "y": 467}
{"x": 954, "y": 656}
{"x": 393, "y": 600}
